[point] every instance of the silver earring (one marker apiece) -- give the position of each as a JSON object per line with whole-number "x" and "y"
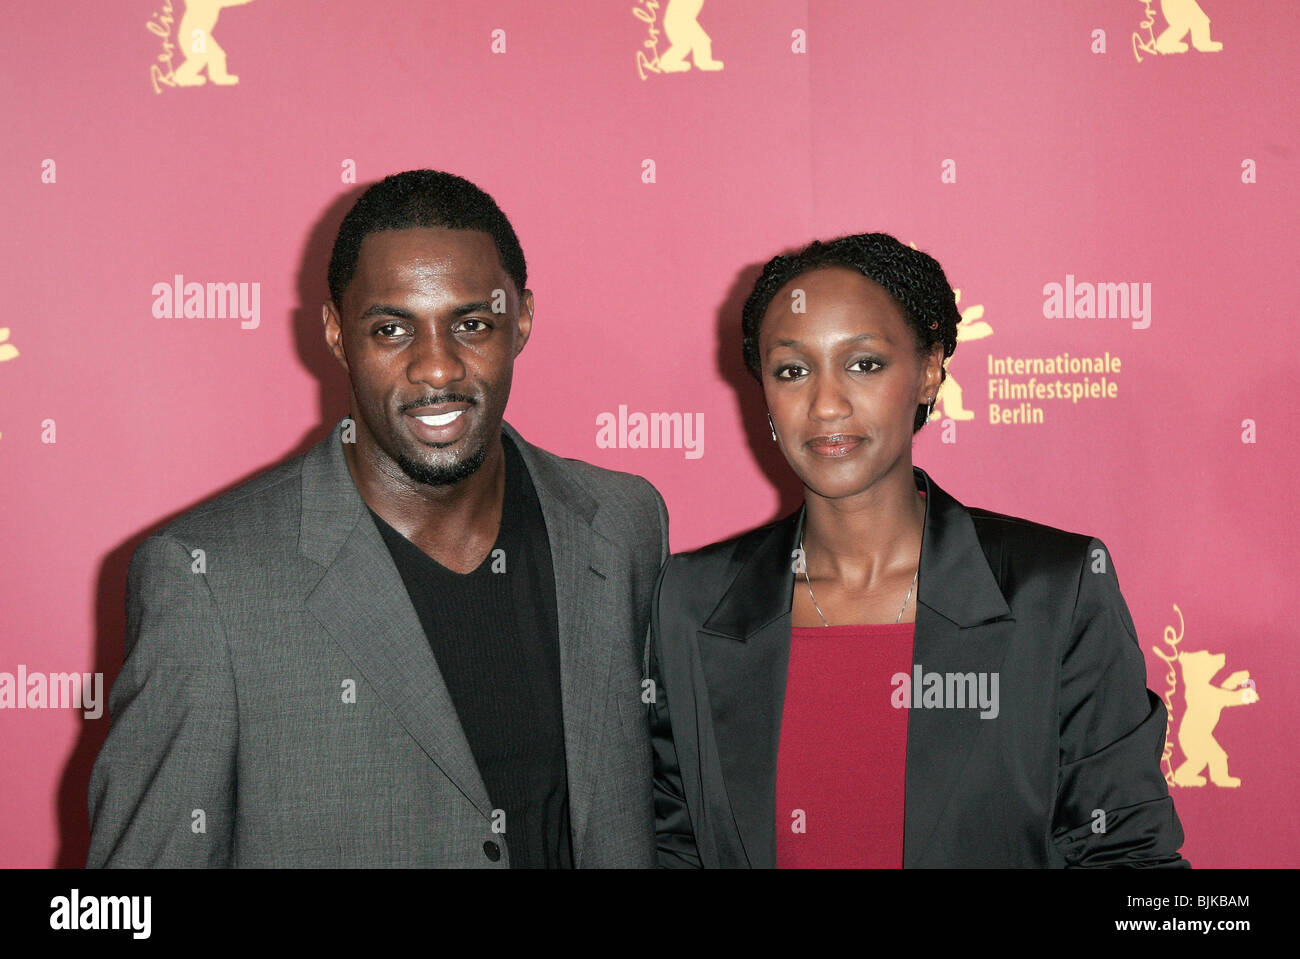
{"x": 930, "y": 410}
{"x": 771, "y": 426}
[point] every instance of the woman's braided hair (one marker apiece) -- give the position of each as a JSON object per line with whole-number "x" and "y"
{"x": 914, "y": 279}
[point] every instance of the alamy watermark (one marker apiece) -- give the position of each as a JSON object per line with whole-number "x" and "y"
{"x": 32, "y": 690}
{"x": 75, "y": 911}
{"x": 208, "y": 301}
{"x": 922, "y": 690}
{"x": 655, "y": 431}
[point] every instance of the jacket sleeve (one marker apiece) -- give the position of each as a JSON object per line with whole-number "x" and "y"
{"x": 663, "y": 525}
{"x": 1112, "y": 803}
{"x": 662, "y": 510}
{"x": 674, "y": 838}
{"x": 162, "y": 791}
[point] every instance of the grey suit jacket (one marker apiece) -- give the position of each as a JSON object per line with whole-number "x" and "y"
{"x": 280, "y": 705}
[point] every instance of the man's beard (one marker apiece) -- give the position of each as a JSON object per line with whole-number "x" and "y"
{"x": 443, "y": 475}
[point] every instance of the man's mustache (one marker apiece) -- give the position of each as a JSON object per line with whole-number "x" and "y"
{"x": 438, "y": 401}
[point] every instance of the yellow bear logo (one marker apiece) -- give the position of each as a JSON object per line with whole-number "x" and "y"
{"x": 970, "y": 327}
{"x": 200, "y": 46}
{"x": 1184, "y": 17}
{"x": 1205, "y": 702}
{"x": 682, "y": 25}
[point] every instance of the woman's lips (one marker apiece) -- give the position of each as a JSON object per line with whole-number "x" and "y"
{"x": 833, "y": 446}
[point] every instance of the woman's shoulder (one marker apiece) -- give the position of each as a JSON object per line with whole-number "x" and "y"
{"x": 1018, "y": 528}
{"x": 1011, "y": 539}
{"x": 1002, "y": 533}
{"x": 735, "y": 550}
{"x": 693, "y": 583}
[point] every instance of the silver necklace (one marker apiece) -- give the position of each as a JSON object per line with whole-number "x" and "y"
{"x": 814, "y": 598}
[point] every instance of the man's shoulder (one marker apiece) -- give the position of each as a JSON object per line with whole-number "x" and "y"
{"x": 263, "y": 508}
{"x": 609, "y": 488}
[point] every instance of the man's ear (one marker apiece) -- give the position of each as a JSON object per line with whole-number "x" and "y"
{"x": 525, "y": 324}
{"x": 334, "y": 333}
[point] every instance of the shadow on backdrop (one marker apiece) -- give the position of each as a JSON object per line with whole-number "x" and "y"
{"x": 751, "y": 407}
{"x": 110, "y": 587}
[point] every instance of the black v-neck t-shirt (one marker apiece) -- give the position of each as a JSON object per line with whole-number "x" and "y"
{"x": 495, "y": 638}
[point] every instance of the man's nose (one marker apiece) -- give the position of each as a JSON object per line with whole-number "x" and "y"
{"x": 435, "y": 360}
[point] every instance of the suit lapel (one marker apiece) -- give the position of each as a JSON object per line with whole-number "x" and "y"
{"x": 962, "y": 621}
{"x": 745, "y": 653}
{"x": 362, "y": 603}
{"x": 584, "y": 563}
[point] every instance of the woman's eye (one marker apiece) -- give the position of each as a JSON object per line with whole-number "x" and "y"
{"x": 865, "y": 365}
{"x": 789, "y": 372}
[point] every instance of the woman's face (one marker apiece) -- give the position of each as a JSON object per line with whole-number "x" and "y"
{"x": 843, "y": 378}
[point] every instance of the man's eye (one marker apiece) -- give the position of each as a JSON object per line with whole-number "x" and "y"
{"x": 472, "y": 325}
{"x": 390, "y": 330}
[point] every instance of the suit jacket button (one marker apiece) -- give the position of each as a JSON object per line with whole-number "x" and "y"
{"x": 492, "y": 850}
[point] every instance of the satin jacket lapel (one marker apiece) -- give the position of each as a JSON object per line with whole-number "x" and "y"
{"x": 363, "y": 604}
{"x": 962, "y": 623}
{"x": 582, "y": 560}
{"x": 745, "y": 653}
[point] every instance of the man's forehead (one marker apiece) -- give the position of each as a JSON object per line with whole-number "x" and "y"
{"x": 396, "y": 259}
{"x": 466, "y": 247}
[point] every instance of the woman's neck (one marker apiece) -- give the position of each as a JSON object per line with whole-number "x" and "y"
{"x": 859, "y": 539}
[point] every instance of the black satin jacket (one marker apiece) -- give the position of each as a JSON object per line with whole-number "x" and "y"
{"x": 1067, "y": 773}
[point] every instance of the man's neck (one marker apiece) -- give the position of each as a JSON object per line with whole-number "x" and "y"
{"x": 455, "y": 524}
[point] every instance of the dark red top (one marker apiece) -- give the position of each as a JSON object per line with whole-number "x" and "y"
{"x": 843, "y": 752}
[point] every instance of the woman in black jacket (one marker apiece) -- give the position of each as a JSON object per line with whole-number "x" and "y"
{"x": 886, "y": 677}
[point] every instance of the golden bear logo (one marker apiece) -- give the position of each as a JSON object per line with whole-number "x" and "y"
{"x": 1182, "y": 17}
{"x": 681, "y": 25}
{"x": 970, "y": 327}
{"x": 1205, "y": 704}
{"x": 195, "y": 42}
{"x": 201, "y": 48}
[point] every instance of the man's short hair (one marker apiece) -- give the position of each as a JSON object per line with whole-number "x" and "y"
{"x": 422, "y": 199}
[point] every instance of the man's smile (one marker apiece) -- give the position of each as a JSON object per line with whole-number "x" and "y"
{"x": 438, "y": 423}
{"x": 440, "y": 420}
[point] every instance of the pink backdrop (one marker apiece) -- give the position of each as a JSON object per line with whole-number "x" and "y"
{"x": 1019, "y": 142}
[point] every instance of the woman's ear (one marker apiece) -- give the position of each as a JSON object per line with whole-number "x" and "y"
{"x": 933, "y": 374}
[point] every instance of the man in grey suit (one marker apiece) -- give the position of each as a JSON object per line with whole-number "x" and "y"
{"x": 420, "y": 643}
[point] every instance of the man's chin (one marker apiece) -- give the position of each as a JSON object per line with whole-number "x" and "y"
{"x": 441, "y": 474}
